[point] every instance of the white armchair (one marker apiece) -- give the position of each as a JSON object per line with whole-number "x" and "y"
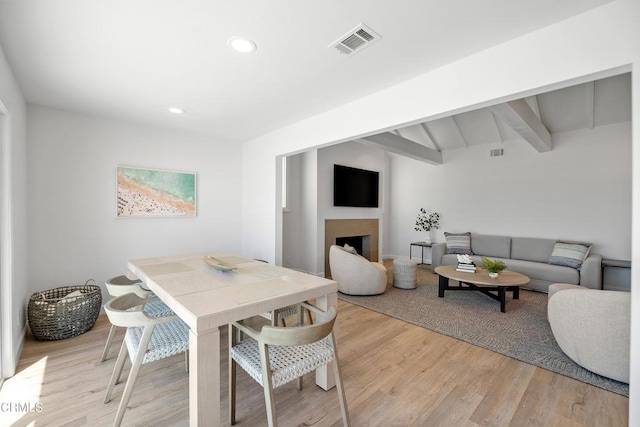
{"x": 355, "y": 274}
{"x": 592, "y": 327}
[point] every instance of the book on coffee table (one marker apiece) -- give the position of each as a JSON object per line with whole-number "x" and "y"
{"x": 466, "y": 267}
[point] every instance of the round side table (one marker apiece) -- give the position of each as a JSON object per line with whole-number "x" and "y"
{"x": 404, "y": 273}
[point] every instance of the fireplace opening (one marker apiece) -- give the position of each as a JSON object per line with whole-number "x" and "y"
{"x": 360, "y": 243}
{"x": 362, "y": 228}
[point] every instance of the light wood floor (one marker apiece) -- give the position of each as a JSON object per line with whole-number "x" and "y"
{"x": 396, "y": 374}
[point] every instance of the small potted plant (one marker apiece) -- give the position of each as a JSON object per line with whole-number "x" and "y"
{"x": 493, "y": 267}
{"x": 427, "y": 222}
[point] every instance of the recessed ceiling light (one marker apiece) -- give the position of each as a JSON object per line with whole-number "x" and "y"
{"x": 242, "y": 45}
{"x": 176, "y": 110}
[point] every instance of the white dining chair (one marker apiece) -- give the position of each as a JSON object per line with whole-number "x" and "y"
{"x": 147, "y": 339}
{"x": 277, "y": 355}
{"x": 121, "y": 285}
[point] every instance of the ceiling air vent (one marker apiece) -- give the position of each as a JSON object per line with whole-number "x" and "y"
{"x": 496, "y": 152}
{"x": 355, "y": 40}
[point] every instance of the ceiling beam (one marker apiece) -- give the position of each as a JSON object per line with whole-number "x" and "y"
{"x": 457, "y": 131}
{"x": 396, "y": 144}
{"x": 495, "y": 122}
{"x": 430, "y": 137}
{"x": 533, "y": 103}
{"x": 399, "y": 133}
{"x": 522, "y": 119}
{"x": 424, "y": 138}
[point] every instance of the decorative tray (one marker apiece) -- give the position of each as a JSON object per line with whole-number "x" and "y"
{"x": 217, "y": 264}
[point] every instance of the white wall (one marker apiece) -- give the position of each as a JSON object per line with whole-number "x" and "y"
{"x": 312, "y": 201}
{"x": 355, "y": 155}
{"x": 595, "y": 44}
{"x": 13, "y": 205}
{"x": 581, "y": 190}
{"x": 309, "y": 212}
{"x": 300, "y": 229}
{"x": 74, "y": 233}
{"x": 292, "y": 228}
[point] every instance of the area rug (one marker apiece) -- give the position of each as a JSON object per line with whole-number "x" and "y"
{"x": 522, "y": 333}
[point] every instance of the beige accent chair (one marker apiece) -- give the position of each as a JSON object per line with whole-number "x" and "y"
{"x": 355, "y": 274}
{"x": 592, "y": 327}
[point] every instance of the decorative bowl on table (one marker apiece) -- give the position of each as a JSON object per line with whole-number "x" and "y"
{"x": 218, "y": 265}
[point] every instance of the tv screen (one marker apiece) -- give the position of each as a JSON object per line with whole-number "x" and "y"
{"x": 355, "y": 187}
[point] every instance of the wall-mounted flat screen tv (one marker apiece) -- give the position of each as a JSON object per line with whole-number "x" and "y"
{"x": 355, "y": 187}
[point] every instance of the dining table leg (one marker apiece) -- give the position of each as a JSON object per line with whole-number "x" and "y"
{"x": 204, "y": 378}
{"x": 324, "y": 376}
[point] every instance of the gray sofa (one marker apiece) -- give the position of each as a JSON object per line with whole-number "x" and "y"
{"x": 529, "y": 256}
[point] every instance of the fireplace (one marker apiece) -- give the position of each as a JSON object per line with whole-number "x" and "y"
{"x": 362, "y": 234}
{"x": 362, "y": 244}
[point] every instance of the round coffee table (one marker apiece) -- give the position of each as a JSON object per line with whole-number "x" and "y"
{"x": 507, "y": 281}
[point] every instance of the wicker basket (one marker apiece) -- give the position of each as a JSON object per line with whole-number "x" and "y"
{"x": 53, "y": 315}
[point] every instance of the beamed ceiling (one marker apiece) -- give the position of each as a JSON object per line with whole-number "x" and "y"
{"x": 535, "y": 119}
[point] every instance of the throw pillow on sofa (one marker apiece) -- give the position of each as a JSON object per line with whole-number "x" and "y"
{"x": 458, "y": 243}
{"x": 570, "y": 254}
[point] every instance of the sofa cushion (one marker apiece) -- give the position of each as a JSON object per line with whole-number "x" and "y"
{"x": 452, "y": 259}
{"x": 569, "y": 254}
{"x": 491, "y": 246}
{"x": 458, "y": 243}
{"x": 532, "y": 249}
{"x": 449, "y": 259}
{"x": 544, "y": 272}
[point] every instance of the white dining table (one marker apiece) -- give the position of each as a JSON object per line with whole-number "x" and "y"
{"x": 206, "y": 299}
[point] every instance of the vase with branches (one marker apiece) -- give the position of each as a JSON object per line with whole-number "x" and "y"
{"x": 427, "y": 222}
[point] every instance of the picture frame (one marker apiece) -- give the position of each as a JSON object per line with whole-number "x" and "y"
{"x": 145, "y": 193}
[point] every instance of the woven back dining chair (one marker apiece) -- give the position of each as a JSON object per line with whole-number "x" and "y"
{"x": 147, "y": 339}
{"x": 121, "y": 285}
{"x": 278, "y": 316}
{"x": 277, "y": 355}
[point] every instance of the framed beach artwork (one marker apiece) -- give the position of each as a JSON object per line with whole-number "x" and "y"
{"x": 145, "y": 193}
